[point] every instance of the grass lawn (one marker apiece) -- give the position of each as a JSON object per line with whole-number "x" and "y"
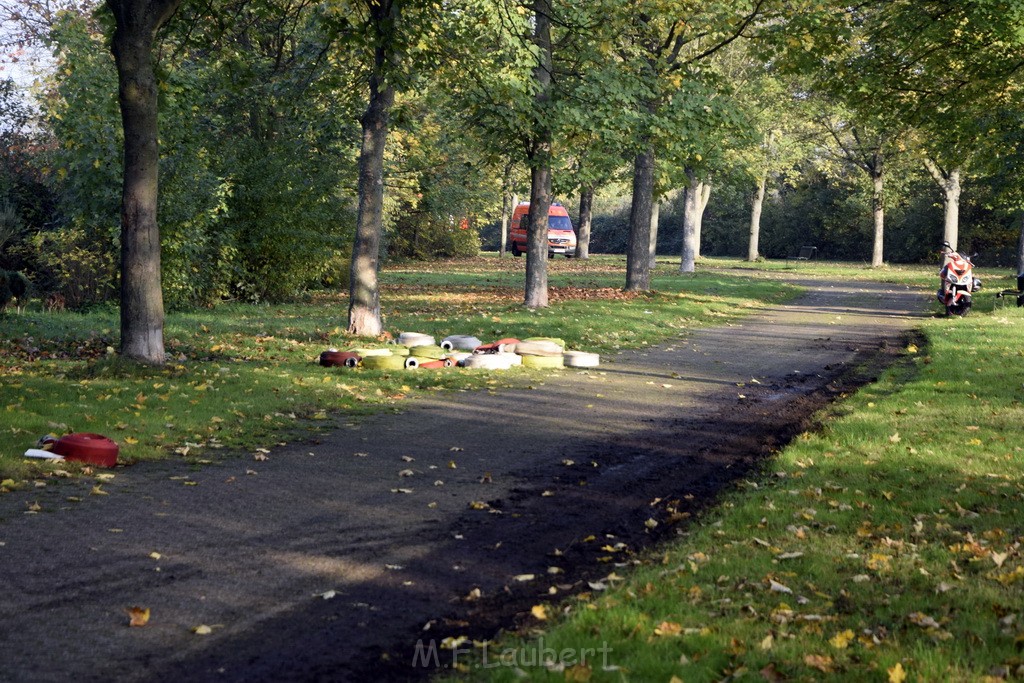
{"x": 244, "y": 377}
{"x": 886, "y": 546}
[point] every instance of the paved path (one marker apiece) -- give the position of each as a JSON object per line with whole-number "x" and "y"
{"x": 250, "y": 547}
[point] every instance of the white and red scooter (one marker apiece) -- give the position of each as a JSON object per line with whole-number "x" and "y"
{"x": 958, "y": 283}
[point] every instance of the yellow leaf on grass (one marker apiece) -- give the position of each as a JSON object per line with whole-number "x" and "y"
{"x": 820, "y": 662}
{"x": 130, "y": 440}
{"x": 842, "y": 640}
{"x": 539, "y": 612}
{"x": 138, "y": 616}
{"x": 668, "y": 628}
{"x": 897, "y": 674}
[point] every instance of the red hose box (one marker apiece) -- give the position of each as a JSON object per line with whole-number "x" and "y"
{"x": 94, "y": 449}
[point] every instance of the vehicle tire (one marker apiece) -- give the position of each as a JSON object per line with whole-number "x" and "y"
{"x": 545, "y": 362}
{"x": 581, "y": 359}
{"x": 94, "y": 449}
{"x": 958, "y": 309}
{"x": 515, "y": 250}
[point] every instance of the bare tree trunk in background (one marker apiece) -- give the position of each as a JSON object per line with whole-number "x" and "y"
{"x": 755, "y": 220}
{"x": 583, "y": 229}
{"x": 364, "y": 291}
{"x": 142, "y": 303}
{"x": 638, "y": 257}
{"x": 655, "y": 219}
{"x": 949, "y": 183}
{"x": 508, "y": 205}
{"x": 878, "y": 213}
{"x": 691, "y": 208}
{"x": 1020, "y": 246}
{"x": 506, "y": 213}
{"x": 536, "y": 295}
{"x": 704, "y": 194}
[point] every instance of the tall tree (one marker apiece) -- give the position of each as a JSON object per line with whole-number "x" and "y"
{"x": 142, "y": 309}
{"x": 663, "y": 49}
{"x": 539, "y": 155}
{"x": 364, "y": 290}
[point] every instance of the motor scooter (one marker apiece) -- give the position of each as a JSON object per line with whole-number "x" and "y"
{"x": 958, "y": 283}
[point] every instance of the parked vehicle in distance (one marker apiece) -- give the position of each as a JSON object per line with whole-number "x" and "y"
{"x": 561, "y": 236}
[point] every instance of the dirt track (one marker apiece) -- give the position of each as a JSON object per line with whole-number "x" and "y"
{"x": 251, "y": 554}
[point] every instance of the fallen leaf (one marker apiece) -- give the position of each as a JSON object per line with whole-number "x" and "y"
{"x": 897, "y": 674}
{"x": 202, "y": 630}
{"x": 523, "y": 577}
{"x": 138, "y": 616}
{"x": 668, "y": 628}
{"x": 822, "y": 663}
{"x": 328, "y": 595}
{"x": 842, "y": 640}
{"x": 777, "y": 587}
{"x": 539, "y": 612}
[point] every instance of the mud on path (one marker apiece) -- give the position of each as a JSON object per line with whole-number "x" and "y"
{"x": 398, "y": 518}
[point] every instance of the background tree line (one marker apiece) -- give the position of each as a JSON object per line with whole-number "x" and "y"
{"x": 301, "y": 142}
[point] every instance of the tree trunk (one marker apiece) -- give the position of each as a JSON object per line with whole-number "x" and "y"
{"x": 655, "y": 219}
{"x": 878, "y": 213}
{"x": 1020, "y": 246}
{"x": 142, "y": 306}
{"x": 506, "y": 200}
{"x": 704, "y": 194}
{"x": 638, "y": 250}
{"x": 508, "y": 205}
{"x": 364, "y": 292}
{"x": 583, "y": 229}
{"x": 755, "y": 220}
{"x": 536, "y": 295}
{"x": 691, "y": 209}
{"x": 949, "y": 183}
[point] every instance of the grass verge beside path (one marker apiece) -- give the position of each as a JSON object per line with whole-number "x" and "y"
{"x": 885, "y": 547}
{"x": 244, "y": 377}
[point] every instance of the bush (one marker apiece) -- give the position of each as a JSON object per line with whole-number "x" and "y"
{"x": 13, "y": 285}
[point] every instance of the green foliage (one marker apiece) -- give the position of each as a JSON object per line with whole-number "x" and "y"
{"x": 421, "y": 236}
{"x": 13, "y": 285}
